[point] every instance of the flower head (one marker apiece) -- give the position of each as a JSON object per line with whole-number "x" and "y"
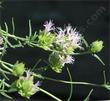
{"x": 26, "y": 85}
{"x": 68, "y": 38}
{"x": 66, "y": 59}
{"x": 58, "y": 61}
{"x": 46, "y": 40}
{"x": 49, "y": 26}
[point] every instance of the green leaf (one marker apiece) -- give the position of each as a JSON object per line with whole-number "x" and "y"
{"x": 13, "y": 87}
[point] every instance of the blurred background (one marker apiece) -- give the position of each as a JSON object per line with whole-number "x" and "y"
{"x": 90, "y": 17}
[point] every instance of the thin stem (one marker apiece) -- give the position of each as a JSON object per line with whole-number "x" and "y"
{"x": 71, "y": 86}
{"x": 104, "y": 75}
{"x": 68, "y": 82}
{"x": 98, "y": 58}
{"x": 12, "y": 36}
{"x": 49, "y": 94}
{"x": 83, "y": 53}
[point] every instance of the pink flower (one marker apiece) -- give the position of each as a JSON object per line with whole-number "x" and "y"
{"x": 49, "y": 26}
{"x": 68, "y": 36}
{"x": 66, "y": 59}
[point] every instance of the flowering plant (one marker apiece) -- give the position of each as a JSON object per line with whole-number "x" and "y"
{"x": 62, "y": 44}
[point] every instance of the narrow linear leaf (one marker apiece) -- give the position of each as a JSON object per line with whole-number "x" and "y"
{"x": 6, "y": 27}
{"x": 5, "y": 95}
{"x": 85, "y": 42}
{"x": 30, "y": 28}
{"x": 13, "y": 26}
{"x": 49, "y": 94}
{"x": 88, "y": 97}
{"x": 36, "y": 64}
{"x": 98, "y": 58}
{"x": 5, "y": 76}
{"x": 104, "y": 77}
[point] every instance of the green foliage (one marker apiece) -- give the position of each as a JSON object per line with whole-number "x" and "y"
{"x": 3, "y": 92}
{"x": 61, "y": 52}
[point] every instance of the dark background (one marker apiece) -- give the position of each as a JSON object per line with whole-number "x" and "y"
{"x": 78, "y": 14}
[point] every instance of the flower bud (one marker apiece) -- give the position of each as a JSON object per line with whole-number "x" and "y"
{"x": 46, "y": 40}
{"x": 96, "y": 46}
{"x": 18, "y": 69}
{"x": 25, "y": 86}
{"x": 55, "y": 63}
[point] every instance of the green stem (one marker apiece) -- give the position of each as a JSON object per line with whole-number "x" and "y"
{"x": 68, "y": 82}
{"x": 98, "y": 58}
{"x": 83, "y": 53}
{"x": 12, "y": 36}
{"x": 37, "y": 45}
{"x": 49, "y": 94}
{"x": 71, "y": 86}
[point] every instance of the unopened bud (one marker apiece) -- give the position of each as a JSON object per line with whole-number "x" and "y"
{"x": 18, "y": 69}
{"x": 96, "y": 46}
